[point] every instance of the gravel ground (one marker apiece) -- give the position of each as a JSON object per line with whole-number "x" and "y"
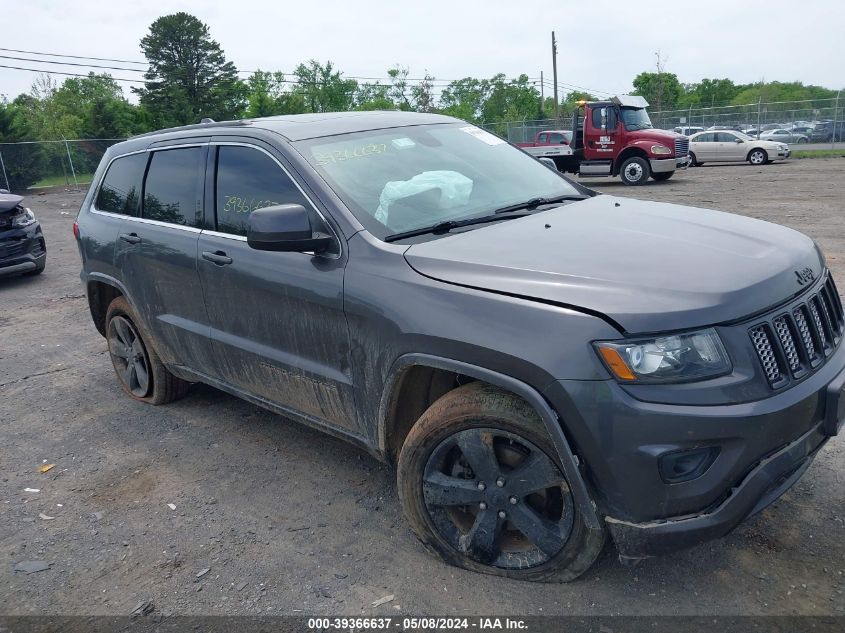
{"x": 273, "y": 518}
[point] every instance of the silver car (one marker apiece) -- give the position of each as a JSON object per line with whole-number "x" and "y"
{"x": 785, "y": 136}
{"x": 728, "y": 145}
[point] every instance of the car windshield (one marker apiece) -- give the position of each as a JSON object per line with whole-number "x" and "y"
{"x": 636, "y": 119}
{"x": 408, "y": 178}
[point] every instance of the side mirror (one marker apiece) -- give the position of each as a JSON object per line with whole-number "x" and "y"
{"x": 548, "y": 162}
{"x": 739, "y": 140}
{"x": 287, "y": 228}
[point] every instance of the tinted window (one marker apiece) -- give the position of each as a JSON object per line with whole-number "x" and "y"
{"x": 171, "y": 191}
{"x": 597, "y": 117}
{"x": 725, "y": 137}
{"x": 705, "y": 138}
{"x": 248, "y": 179}
{"x": 121, "y": 188}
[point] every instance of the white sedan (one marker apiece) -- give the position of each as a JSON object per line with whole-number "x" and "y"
{"x": 727, "y": 146}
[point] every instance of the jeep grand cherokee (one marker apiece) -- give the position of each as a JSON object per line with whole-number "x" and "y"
{"x": 543, "y": 364}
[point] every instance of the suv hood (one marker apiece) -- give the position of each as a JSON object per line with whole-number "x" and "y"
{"x": 648, "y": 266}
{"x": 9, "y": 202}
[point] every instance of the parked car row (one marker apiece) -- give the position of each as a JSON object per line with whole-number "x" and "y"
{"x": 795, "y": 132}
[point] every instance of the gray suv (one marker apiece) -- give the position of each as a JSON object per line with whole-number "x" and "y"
{"x": 544, "y": 365}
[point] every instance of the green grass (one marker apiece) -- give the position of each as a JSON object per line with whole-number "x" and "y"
{"x": 61, "y": 181}
{"x": 818, "y": 153}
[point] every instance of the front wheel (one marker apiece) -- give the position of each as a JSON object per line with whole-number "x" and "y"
{"x": 665, "y": 175}
{"x": 758, "y": 157}
{"x": 693, "y": 161}
{"x": 635, "y": 171}
{"x": 481, "y": 487}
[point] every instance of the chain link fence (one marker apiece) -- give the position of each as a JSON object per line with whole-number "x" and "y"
{"x": 820, "y": 120}
{"x": 33, "y": 164}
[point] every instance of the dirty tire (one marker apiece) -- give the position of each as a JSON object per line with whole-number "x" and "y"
{"x": 635, "y": 171}
{"x": 758, "y": 157}
{"x": 665, "y": 175}
{"x": 160, "y": 386}
{"x": 511, "y": 426}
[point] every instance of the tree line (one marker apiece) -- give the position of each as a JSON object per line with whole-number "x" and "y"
{"x": 189, "y": 78}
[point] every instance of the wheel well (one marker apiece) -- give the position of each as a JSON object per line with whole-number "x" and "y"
{"x": 625, "y": 155}
{"x": 414, "y": 391}
{"x": 100, "y": 295}
{"x": 755, "y": 149}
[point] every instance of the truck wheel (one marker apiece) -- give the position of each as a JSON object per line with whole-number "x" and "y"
{"x": 481, "y": 487}
{"x": 139, "y": 370}
{"x": 664, "y": 175}
{"x": 635, "y": 171}
{"x": 758, "y": 157}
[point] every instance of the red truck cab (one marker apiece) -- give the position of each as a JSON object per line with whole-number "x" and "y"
{"x": 616, "y": 137}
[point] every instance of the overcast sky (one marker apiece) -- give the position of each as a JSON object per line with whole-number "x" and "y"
{"x": 602, "y": 45}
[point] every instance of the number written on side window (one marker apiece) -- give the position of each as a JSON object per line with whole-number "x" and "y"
{"x": 248, "y": 179}
{"x": 121, "y": 188}
{"x": 172, "y": 189}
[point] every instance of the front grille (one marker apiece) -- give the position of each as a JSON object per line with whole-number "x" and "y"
{"x": 681, "y": 147}
{"x": 15, "y": 247}
{"x": 791, "y": 344}
{"x": 763, "y": 345}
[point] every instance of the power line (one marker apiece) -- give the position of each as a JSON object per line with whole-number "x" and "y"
{"x": 44, "y": 61}
{"x": 128, "y": 61}
{"x": 99, "y": 59}
{"x": 56, "y": 72}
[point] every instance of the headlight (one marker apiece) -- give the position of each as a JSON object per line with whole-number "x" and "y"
{"x": 660, "y": 149}
{"x": 674, "y": 358}
{"x": 23, "y": 219}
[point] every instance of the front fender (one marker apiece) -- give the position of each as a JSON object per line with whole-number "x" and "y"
{"x": 550, "y": 419}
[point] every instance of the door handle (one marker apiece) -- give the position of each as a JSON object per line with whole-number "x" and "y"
{"x": 132, "y": 238}
{"x": 217, "y": 257}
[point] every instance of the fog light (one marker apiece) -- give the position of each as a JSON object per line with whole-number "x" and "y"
{"x": 687, "y": 465}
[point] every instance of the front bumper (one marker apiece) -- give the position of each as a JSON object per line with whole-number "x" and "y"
{"x": 22, "y": 250}
{"x": 663, "y": 165}
{"x": 763, "y": 448}
{"x": 772, "y": 477}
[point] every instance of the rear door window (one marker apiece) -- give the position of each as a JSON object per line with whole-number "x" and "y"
{"x": 172, "y": 190}
{"x": 248, "y": 179}
{"x": 121, "y": 188}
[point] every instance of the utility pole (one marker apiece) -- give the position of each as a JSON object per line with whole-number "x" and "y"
{"x": 554, "y": 72}
{"x": 542, "y": 110}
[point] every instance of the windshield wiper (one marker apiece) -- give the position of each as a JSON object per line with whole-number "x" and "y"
{"x": 448, "y": 225}
{"x": 533, "y": 203}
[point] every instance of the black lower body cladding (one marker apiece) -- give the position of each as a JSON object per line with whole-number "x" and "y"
{"x": 761, "y": 447}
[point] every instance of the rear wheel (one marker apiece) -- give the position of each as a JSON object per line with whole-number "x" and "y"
{"x": 139, "y": 370}
{"x": 635, "y": 171}
{"x": 758, "y": 157}
{"x": 802, "y": 140}
{"x": 665, "y": 175}
{"x": 481, "y": 487}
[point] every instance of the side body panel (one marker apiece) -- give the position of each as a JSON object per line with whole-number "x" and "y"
{"x": 277, "y": 325}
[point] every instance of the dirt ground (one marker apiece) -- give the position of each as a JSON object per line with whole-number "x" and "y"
{"x": 286, "y": 520}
